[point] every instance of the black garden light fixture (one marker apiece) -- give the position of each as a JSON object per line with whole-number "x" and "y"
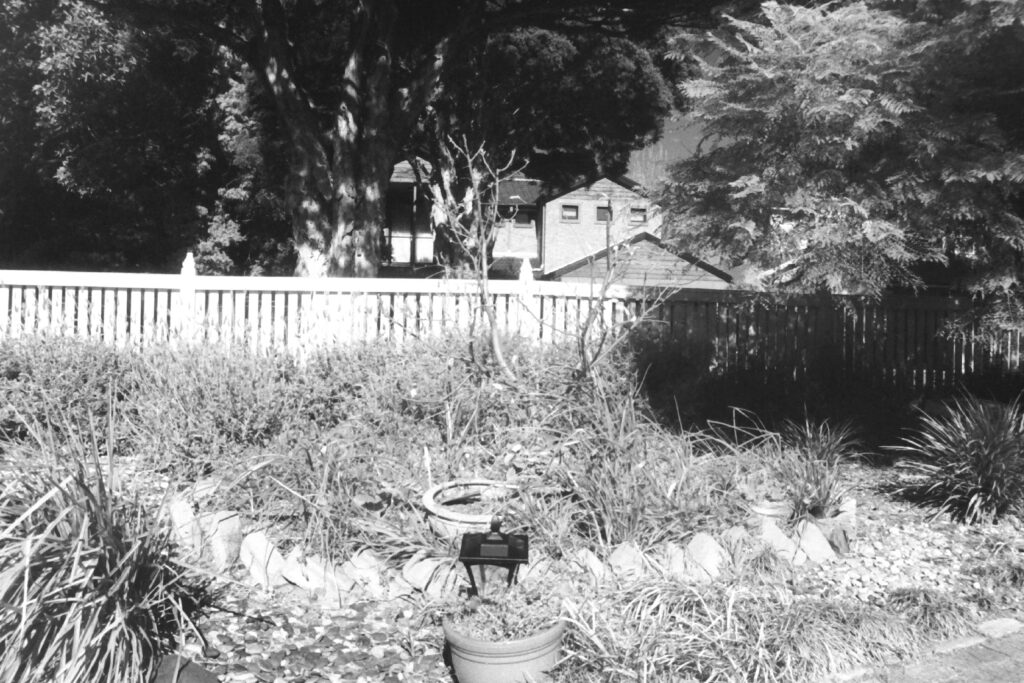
{"x": 492, "y": 551}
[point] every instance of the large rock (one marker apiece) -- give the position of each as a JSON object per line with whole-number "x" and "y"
{"x": 222, "y": 537}
{"x": 263, "y": 561}
{"x": 627, "y": 561}
{"x": 813, "y": 543}
{"x": 185, "y": 529}
{"x": 782, "y": 544}
{"x": 707, "y": 555}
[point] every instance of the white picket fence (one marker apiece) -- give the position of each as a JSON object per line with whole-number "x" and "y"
{"x": 897, "y": 339}
{"x": 284, "y": 313}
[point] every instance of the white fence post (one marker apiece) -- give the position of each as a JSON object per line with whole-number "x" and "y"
{"x": 529, "y": 303}
{"x": 184, "y": 310}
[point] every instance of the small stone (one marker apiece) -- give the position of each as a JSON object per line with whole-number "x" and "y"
{"x": 222, "y": 533}
{"x": 294, "y": 570}
{"x": 366, "y": 569}
{"x": 627, "y": 561}
{"x": 707, "y": 554}
{"x": 783, "y": 546}
{"x": 430, "y": 575}
{"x": 813, "y": 543}
{"x": 185, "y": 527}
{"x": 263, "y": 561}
{"x": 327, "y": 579}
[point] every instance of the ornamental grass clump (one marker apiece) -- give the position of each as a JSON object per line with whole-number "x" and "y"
{"x": 969, "y": 460}
{"x": 666, "y": 630}
{"x": 807, "y": 466}
{"x": 89, "y": 591}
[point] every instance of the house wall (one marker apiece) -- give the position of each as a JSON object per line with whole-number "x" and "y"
{"x": 647, "y": 264}
{"x": 565, "y": 241}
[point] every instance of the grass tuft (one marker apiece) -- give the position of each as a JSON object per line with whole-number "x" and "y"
{"x": 969, "y": 460}
{"x": 89, "y": 589}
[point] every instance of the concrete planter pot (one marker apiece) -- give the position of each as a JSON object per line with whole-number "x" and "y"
{"x": 525, "y": 660}
{"x": 465, "y": 506}
{"x": 777, "y": 510}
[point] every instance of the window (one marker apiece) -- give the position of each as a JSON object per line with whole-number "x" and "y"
{"x": 570, "y": 212}
{"x": 524, "y": 219}
{"x": 637, "y": 216}
{"x": 604, "y": 214}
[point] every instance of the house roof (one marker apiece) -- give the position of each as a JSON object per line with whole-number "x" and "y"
{"x": 511, "y": 192}
{"x": 645, "y": 236}
{"x": 519, "y": 191}
{"x": 628, "y": 183}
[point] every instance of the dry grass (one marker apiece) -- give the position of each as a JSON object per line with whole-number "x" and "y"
{"x": 668, "y": 631}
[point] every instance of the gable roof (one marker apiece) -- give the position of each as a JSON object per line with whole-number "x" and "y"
{"x": 628, "y": 183}
{"x": 645, "y": 236}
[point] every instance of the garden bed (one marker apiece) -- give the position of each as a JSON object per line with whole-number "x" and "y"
{"x": 331, "y": 459}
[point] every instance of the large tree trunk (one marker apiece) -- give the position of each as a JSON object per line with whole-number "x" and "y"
{"x": 340, "y": 167}
{"x": 338, "y": 232}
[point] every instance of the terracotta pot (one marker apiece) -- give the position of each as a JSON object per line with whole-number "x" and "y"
{"x": 442, "y": 504}
{"x": 510, "y": 661}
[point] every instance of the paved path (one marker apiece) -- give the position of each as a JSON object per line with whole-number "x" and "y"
{"x": 994, "y": 654}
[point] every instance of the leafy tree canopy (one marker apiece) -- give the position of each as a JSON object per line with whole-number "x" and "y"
{"x": 846, "y": 145}
{"x": 354, "y": 83}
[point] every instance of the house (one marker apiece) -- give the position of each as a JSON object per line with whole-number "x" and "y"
{"x": 566, "y": 235}
{"x": 643, "y": 260}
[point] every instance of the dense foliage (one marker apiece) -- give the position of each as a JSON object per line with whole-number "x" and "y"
{"x": 971, "y": 459}
{"x": 849, "y": 144}
{"x": 334, "y": 455}
{"x": 139, "y": 129}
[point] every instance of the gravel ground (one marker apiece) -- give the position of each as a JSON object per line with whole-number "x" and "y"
{"x": 284, "y": 637}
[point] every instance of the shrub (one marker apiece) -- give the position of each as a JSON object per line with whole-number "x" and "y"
{"x": 88, "y": 586}
{"x": 204, "y": 408}
{"x": 970, "y": 460}
{"x": 59, "y": 383}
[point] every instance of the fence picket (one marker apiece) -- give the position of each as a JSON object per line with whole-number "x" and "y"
{"x": 896, "y": 338}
